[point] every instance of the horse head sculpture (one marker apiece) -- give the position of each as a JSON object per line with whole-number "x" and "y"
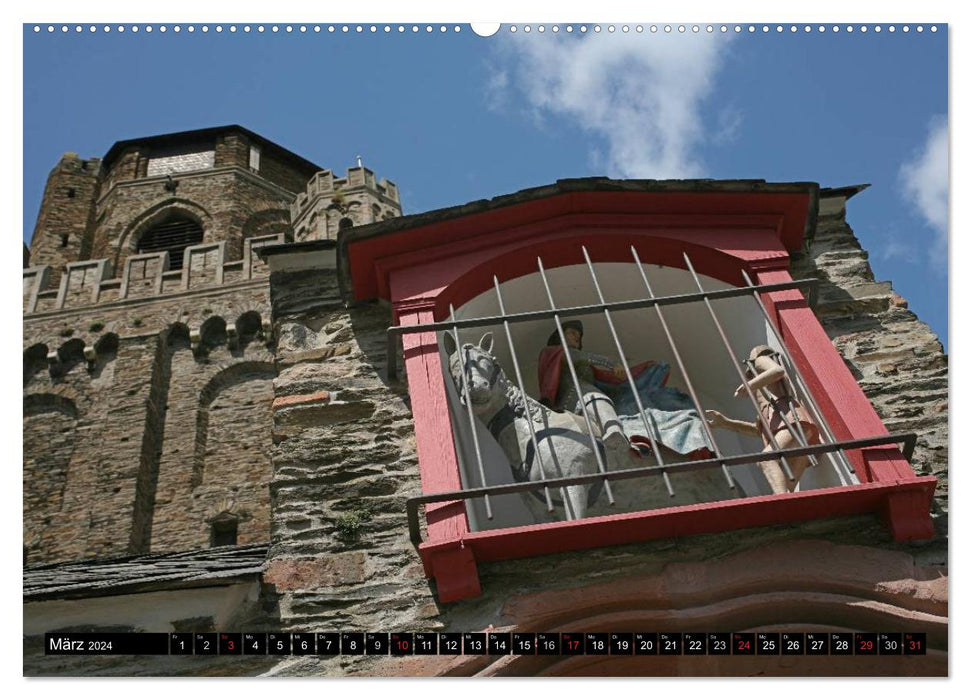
{"x": 538, "y": 442}
{"x": 477, "y": 374}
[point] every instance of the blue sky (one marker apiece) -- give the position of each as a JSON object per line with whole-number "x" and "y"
{"x": 455, "y": 117}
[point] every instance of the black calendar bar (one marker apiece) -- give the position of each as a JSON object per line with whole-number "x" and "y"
{"x": 104, "y": 644}
{"x": 487, "y": 643}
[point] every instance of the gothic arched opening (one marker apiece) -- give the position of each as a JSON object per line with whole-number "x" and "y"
{"x": 173, "y": 235}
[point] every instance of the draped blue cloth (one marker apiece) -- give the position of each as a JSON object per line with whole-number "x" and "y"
{"x": 670, "y": 412}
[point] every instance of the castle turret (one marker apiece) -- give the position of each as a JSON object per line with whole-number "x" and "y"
{"x": 331, "y": 203}
{"x": 66, "y": 219}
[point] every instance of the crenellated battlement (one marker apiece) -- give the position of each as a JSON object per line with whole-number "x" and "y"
{"x": 359, "y": 196}
{"x": 73, "y": 163}
{"x": 143, "y": 276}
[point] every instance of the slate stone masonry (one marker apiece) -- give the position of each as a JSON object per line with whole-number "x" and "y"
{"x": 898, "y": 361}
{"x": 343, "y": 465}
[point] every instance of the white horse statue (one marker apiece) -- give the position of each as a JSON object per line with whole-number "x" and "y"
{"x": 564, "y": 446}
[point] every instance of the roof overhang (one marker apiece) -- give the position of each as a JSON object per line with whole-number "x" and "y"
{"x": 218, "y": 566}
{"x": 792, "y": 206}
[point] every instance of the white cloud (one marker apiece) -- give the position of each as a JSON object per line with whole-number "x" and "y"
{"x": 729, "y": 125}
{"x": 924, "y": 179}
{"x": 895, "y": 249}
{"x": 497, "y": 89}
{"x": 641, "y": 93}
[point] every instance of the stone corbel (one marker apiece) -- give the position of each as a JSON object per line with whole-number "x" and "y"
{"x": 195, "y": 341}
{"x": 232, "y": 337}
{"x": 53, "y": 361}
{"x": 91, "y": 355}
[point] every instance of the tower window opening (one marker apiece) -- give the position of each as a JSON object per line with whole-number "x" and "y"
{"x": 223, "y": 531}
{"x": 173, "y": 236}
{"x": 70, "y": 193}
{"x": 64, "y": 240}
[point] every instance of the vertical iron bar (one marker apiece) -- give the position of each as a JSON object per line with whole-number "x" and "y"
{"x": 835, "y": 458}
{"x": 801, "y": 435}
{"x": 576, "y": 383}
{"x": 522, "y": 390}
{"x": 741, "y": 374}
{"x": 468, "y": 406}
{"x": 683, "y": 369}
{"x": 814, "y": 407}
{"x": 630, "y": 378}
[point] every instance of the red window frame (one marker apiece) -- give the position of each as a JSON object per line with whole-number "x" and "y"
{"x": 423, "y": 268}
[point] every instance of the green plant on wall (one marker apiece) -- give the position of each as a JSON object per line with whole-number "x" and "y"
{"x": 349, "y": 526}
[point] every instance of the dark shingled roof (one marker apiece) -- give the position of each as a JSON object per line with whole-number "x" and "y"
{"x": 218, "y": 566}
{"x": 201, "y": 135}
{"x": 847, "y": 191}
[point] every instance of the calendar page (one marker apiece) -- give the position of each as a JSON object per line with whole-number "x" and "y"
{"x": 426, "y": 348}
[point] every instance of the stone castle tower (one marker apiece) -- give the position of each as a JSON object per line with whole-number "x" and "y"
{"x": 146, "y": 328}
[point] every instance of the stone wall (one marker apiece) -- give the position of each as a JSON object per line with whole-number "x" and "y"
{"x": 898, "y": 361}
{"x": 145, "y": 315}
{"x": 344, "y": 463}
{"x": 232, "y": 149}
{"x": 277, "y": 168}
{"x": 62, "y": 233}
{"x": 130, "y": 164}
{"x": 95, "y": 515}
{"x": 215, "y": 460}
{"x": 124, "y": 403}
{"x": 50, "y": 431}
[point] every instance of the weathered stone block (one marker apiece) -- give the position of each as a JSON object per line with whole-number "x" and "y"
{"x": 292, "y": 421}
{"x": 289, "y": 574}
{"x": 319, "y": 397}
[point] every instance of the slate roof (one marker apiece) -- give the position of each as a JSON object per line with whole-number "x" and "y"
{"x": 218, "y": 566}
{"x": 181, "y": 137}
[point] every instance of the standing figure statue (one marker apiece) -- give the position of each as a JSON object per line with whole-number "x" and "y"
{"x": 558, "y": 391}
{"x": 606, "y": 395}
{"x": 788, "y": 420}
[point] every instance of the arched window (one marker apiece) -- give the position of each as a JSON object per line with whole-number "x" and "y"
{"x": 173, "y": 235}
{"x": 515, "y": 269}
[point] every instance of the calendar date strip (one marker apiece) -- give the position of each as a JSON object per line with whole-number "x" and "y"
{"x": 485, "y": 643}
